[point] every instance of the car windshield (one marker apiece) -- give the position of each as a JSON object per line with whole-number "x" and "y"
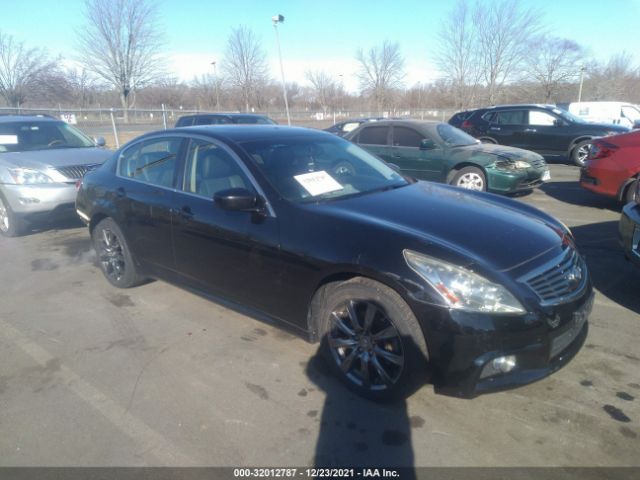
{"x": 453, "y": 137}
{"x": 569, "y": 117}
{"x": 312, "y": 169}
{"x": 40, "y": 135}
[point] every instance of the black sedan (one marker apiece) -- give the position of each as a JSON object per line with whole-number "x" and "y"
{"x": 394, "y": 277}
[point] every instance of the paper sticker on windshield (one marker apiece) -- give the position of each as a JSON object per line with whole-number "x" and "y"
{"x": 317, "y": 183}
{"x": 8, "y": 139}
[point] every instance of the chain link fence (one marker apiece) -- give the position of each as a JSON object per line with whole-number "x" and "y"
{"x": 118, "y": 126}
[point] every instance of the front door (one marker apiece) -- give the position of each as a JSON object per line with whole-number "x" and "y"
{"x": 417, "y": 163}
{"x": 232, "y": 253}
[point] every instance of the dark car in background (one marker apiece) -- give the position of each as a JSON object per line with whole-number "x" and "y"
{"x": 343, "y": 128}
{"x": 41, "y": 158}
{"x": 394, "y": 277}
{"x": 629, "y": 228}
{"x": 438, "y": 152}
{"x": 223, "y": 119}
{"x": 544, "y": 129}
{"x": 613, "y": 166}
{"x": 459, "y": 117}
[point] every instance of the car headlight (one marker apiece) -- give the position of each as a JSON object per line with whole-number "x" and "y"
{"x": 512, "y": 165}
{"x": 463, "y": 289}
{"x": 27, "y": 176}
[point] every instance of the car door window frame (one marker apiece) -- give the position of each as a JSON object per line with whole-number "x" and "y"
{"x": 252, "y": 180}
{"x": 138, "y": 144}
{"x": 376, "y": 144}
{"x": 402, "y": 127}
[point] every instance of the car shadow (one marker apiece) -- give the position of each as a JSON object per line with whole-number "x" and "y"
{"x": 611, "y": 274}
{"x": 356, "y": 432}
{"x": 573, "y": 193}
{"x": 40, "y": 226}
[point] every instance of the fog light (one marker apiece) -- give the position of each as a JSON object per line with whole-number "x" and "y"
{"x": 505, "y": 364}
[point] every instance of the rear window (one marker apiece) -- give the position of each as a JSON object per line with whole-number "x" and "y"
{"x": 373, "y": 136}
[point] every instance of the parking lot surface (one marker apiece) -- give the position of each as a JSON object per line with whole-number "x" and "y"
{"x": 95, "y": 376}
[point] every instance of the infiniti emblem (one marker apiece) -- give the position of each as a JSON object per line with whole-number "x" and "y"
{"x": 574, "y": 276}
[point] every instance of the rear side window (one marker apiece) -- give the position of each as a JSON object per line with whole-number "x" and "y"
{"x": 185, "y": 122}
{"x": 510, "y": 117}
{"x": 373, "y": 136}
{"x": 153, "y": 161}
{"x": 211, "y": 120}
{"x": 406, "y": 137}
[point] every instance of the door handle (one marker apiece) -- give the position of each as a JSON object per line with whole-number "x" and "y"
{"x": 495, "y": 129}
{"x": 530, "y": 130}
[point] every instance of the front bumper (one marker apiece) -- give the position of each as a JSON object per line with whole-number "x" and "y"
{"x": 511, "y": 181}
{"x": 629, "y": 229}
{"x": 28, "y": 200}
{"x": 463, "y": 346}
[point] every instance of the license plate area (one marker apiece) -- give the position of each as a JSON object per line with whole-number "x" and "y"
{"x": 578, "y": 319}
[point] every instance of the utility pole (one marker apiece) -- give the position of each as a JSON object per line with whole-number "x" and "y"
{"x": 215, "y": 84}
{"x": 581, "y": 80}
{"x": 280, "y": 19}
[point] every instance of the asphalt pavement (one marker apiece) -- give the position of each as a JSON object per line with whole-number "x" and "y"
{"x": 155, "y": 375}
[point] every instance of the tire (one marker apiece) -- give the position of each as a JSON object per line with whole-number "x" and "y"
{"x": 114, "y": 256}
{"x": 580, "y": 152}
{"x": 470, "y": 178}
{"x": 630, "y": 192}
{"x": 10, "y": 224}
{"x": 382, "y": 355}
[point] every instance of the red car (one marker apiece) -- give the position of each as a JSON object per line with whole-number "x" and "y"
{"x": 613, "y": 166}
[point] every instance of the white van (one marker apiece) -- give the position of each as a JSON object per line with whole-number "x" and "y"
{"x": 618, "y": 113}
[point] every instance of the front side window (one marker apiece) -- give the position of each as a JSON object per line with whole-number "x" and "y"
{"x": 43, "y": 135}
{"x": 540, "y": 118}
{"x": 406, "y": 137}
{"x": 152, "y": 161}
{"x": 211, "y": 169}
{"x": 373, "y": 136}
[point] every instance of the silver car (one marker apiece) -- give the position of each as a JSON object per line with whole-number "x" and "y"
{"x": 41, "y": 159}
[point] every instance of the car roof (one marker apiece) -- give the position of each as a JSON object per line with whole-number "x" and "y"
{"x": 27, "y": 118}
{"x": 217, "y": 114}
{"x": 519, "y": 105}
{"x": 244, "y": 133}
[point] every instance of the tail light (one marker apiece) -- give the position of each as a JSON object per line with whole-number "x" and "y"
{"x": 601, "y": 149}
{"x": 466, "y": 124}
{"x": 78, "y": 184}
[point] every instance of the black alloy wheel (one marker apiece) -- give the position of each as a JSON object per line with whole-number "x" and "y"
{"x": 114, "y": 256}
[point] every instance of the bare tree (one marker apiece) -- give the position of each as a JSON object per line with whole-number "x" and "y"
{"x": 457, "y": 54}
{"x": 325, "y": 88}
{"x": 120, "y": 43}
{"x": 245, "y": 63}
{"x": 503, "y": 29}
{"x": 552, "y": 62}
{"x": 381, "y": 71}
{"x": 21, "y": 69}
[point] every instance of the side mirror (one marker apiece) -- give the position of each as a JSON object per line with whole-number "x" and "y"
{"x": 237, "y": 199}
{"x": 99, "y": 141}
{"x": 428, "y": 144}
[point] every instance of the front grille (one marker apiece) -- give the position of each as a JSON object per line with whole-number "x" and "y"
{"x": 559, "y": 280}
{"x": 76, "y": 172}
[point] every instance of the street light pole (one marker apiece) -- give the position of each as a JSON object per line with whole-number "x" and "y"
{"x": 215, "y": 84}
{"x": 581, "y": 80}
{"x": 280, "y": 19}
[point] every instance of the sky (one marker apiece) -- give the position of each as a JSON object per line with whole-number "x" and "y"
{"x": 318, "y": 35}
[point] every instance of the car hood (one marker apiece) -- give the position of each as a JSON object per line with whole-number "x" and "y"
{"x": 63, "y": 157}
{"x": 482, "y": 228}
{"x": 486, "y": 153}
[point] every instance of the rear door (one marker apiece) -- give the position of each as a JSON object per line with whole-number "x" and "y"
{"x": 406, "y": 153}
{"x": 227, "y": 252}
{"x": 507, "y": 127}
{"x": 145, "y": 194}
{"x": 375, "y": 139}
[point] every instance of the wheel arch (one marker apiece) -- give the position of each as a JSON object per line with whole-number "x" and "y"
{"x": 465, "y": 163}
{"x": 576, "y": 141}
{"x": 622, "y": 192}
{"x": 96, "y": 219}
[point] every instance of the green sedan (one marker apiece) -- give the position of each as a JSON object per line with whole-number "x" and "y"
{"x": 441, "y": 153}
